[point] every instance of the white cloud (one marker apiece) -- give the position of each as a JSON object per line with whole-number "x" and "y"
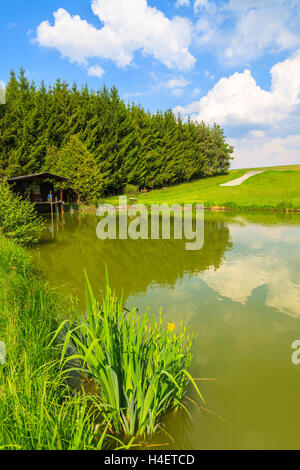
{"x": 177, "y": 92}
{"x": 175, "y": 83}
{"x": 271, "y": 118}
{"x": 259, "y": 150}
{"x": 128, "y": 27}
{"x": 96, "y": 71}
{"x": 238, "y": 100}
{"x": 254, "y": 34}
{"x": 256, "y": 27}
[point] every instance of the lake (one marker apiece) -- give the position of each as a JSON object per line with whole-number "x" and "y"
{"x": 240, "y": 295}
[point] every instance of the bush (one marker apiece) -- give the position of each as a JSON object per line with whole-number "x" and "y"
{"x": 131, "y": 190}
{"x": 18, "y": 218}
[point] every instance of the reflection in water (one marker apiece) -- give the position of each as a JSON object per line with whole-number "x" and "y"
{"x": 272, "y": 262}
{"x": 133, "y": 264}
{"x": 239, "y": 294}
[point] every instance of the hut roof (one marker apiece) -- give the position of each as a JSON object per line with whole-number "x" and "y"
{"x": 36, "y": 176}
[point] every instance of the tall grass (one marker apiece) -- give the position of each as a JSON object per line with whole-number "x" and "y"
{"x": 139, "y": 365}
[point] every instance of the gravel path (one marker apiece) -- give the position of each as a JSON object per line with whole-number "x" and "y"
{"x": 240, "y": 180}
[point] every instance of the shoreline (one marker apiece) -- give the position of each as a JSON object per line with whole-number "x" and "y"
{"x": 212, "y": 208}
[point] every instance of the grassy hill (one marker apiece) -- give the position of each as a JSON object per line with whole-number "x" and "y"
{"x": 277, "y": 188}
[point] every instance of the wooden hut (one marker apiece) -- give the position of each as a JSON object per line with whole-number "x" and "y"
{"x": 39, "y": 188}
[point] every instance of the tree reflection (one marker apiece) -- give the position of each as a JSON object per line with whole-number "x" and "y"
{"x": 133, "y": 264}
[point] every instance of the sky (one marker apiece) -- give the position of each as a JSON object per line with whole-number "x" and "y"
{"x": 233, "y": 62}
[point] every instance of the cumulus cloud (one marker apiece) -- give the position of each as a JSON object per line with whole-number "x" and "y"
{"x": 257, "y": 26}
{"x": 238, "y": 100}
{"x": 258, "y": 149}
{"x": 127, "y": 27}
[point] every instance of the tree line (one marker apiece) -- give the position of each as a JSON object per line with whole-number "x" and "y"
{"x": 99, "y": 142}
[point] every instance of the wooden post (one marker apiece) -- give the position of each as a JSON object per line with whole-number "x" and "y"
{"x": 63, "y": 216}
{"x": 62, "y": 202}
{"x": 56, "y": 207}
{"x": 52, "y": 221}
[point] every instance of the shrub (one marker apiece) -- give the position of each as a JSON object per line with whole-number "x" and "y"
{"x": 139, "y": 365}
{"x": 18, "y": 218}
{"x": 79, "y": 166}
{"x": 131, "y": 190}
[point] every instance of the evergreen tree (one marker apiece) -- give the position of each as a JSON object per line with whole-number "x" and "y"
{"x": 99, "y": 143}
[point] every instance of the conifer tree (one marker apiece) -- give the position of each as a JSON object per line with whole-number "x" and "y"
{"x": 99, "y": 143}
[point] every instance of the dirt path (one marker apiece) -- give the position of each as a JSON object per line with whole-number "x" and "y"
{"x": 240, "y": 180}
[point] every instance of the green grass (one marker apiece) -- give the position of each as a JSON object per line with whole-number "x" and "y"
{"x": 38, "y": 411}
{"x": 277, "y": 188}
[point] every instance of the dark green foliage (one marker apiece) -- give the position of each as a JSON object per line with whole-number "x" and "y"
{"x": 131, "y": 190}
{"x": 78, "y": 165}
{"x": 18, "y": 218}
{"x": 116, "y": 144}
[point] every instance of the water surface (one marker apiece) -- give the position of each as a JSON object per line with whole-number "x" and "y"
{"x": 240, "y": 294}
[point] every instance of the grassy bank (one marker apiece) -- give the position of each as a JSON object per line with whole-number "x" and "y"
{"x": 37, "y": 409}
{"x": 276, "y": 188}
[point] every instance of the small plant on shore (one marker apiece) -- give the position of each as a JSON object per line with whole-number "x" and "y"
{"x": 139, "y": 365}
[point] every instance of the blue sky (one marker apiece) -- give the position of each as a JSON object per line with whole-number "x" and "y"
{"x": 233, "y": 62}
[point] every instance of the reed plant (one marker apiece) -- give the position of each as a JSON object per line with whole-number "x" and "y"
{"x": 139, "y": 364}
